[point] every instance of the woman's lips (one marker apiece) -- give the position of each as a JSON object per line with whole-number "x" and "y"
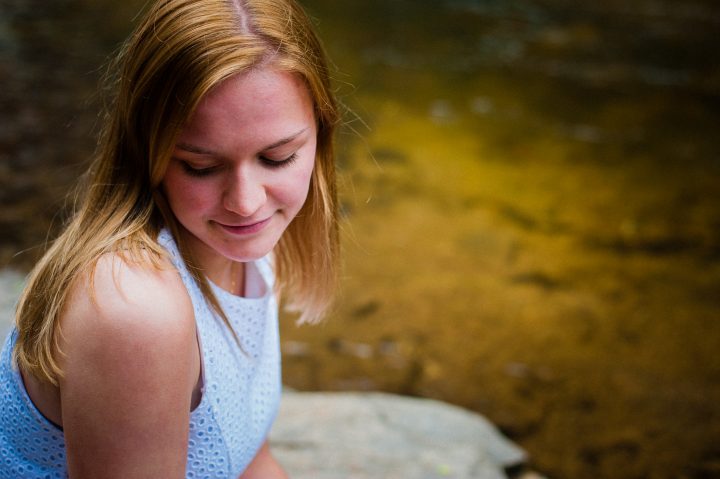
{"x": 245, "y": 229}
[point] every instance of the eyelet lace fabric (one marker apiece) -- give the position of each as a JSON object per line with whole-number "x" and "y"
{"x": 30, "y": 445}
{"x": 241, "y": 387}
{"x": 240, "y": 395}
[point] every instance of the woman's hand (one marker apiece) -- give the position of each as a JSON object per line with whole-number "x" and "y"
{"x": 264, "y": 466}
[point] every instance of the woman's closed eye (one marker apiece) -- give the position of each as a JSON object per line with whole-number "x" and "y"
{"x": 272, "y": 163}
{"x": 200, "y": 171}
{"x": 197, "y": 170}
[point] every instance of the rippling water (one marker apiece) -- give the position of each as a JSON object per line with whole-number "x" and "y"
{"x": 530, "y": 191}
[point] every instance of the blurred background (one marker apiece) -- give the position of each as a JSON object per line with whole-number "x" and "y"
{"x": 531, "y": 210}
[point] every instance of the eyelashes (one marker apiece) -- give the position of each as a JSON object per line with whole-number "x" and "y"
{"x": 279, "y": 163}
{"x": 196, "y": 172}
{"x": 267, "y": 162}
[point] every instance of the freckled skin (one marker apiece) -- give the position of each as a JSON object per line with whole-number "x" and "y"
{"x": 242, "y": 181}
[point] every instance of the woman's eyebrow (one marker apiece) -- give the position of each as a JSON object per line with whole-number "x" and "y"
{"x": 285, "y": 140}
{"x": 204, "y": 151}
{"x": 195, "y": 149}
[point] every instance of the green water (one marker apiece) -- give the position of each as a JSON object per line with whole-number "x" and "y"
{"x": 531, "y": 196}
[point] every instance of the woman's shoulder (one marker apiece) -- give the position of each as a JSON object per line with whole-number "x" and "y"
{"x": 130, "y": 363}
{"x": 121, "y": 299}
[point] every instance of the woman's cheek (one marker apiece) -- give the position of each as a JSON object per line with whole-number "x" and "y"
{"x": 297, "y": 189}
{"x": 187, "y": 196}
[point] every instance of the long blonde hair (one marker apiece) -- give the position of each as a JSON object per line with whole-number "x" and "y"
{"x": 177, "y": 54}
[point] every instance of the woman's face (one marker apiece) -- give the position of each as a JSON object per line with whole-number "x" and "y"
{"x": 241, "y": 167}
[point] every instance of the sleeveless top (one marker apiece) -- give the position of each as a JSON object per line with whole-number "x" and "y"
{"x": 240, "y": 392}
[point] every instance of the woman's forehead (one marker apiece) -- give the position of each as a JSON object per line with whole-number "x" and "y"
{"x": 263, "y": 104}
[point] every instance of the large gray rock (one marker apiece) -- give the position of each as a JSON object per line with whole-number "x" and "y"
{"x": 375, "y": 435}
{"x": 11, "y": 283}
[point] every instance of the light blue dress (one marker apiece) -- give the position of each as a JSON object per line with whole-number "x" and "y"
{"x": 240, "y": 394}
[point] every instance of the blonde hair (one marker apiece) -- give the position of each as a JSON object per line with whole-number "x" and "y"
{"x": 177, "y": 54}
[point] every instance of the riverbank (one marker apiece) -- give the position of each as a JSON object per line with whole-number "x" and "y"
{"x": 367, "y": 435}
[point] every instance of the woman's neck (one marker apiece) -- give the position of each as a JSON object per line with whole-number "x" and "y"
{"x": 227, "y": 274}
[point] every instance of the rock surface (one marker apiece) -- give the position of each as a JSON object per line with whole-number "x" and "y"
{"x": 376, "y": 435}
{"x": 11, "y": 283}
{"x": 366, "y": 435}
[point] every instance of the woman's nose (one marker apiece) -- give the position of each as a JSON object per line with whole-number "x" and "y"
{"x": 245, "y": 193}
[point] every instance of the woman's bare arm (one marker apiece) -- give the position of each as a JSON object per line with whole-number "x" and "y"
{"x": 131, "y": 361}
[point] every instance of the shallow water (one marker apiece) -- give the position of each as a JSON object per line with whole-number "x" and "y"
{"x": 531, "y": 210}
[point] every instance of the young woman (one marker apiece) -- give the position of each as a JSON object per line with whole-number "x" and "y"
{"x": 146, "y": 340}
